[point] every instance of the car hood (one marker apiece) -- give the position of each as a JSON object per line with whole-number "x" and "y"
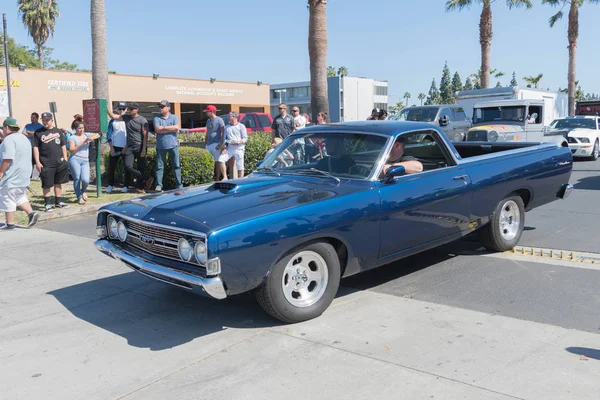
{"x": 583, "y": 132}
{"x": 210, "y": 207}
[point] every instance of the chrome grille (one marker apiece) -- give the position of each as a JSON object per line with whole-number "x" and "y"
{"x": 477, "y": 136}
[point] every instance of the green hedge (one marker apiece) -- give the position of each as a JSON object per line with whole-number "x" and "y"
{"x": 197, "y": 137}
{"x": 197, "y": 165}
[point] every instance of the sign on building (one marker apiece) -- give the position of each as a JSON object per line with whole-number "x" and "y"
{"x": 3, "y": 104}
{"x": 95, "y": 115}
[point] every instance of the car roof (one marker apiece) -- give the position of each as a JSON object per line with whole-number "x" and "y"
{"x": 580, "y": 117}
{"x": 434, "y": 106}
{"x": 508, "y": 103}
{"x": 386, "y": 127}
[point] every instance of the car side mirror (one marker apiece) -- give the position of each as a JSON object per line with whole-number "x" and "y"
{"x": 444, "y": 120}
{"x": 394, "y": 172}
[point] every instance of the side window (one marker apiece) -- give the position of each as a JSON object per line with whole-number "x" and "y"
{"x": 248, "y": 120}
{"x": 264, "y": 121}
{"x": 459, "y": 114}
{"x": 535, "y": 115}
{"x": 428, "y": 148}
{"x": 446, "y": 113}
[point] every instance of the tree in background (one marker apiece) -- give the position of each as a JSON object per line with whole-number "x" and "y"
{"x": 468, "y": 84}
{"x": 99, "y": 63}
{"x": 421, "y": 97}
{"x": 407, "y": 97}
{"x": 513, "y": 81}
{"x": 331, "y": 71}
{"x": 485, "y": 30}
{"x": 19, "y": 54}
{"x": 498, "y": 75}
{"x": 342, "y": 71}
{"x": 317, "y": 52}
{"x": 573, "y": 36}
{"x": 456, "y": 84}
{"x": 446, "y": 94}
{"x": 39, "y": 17}
{"x": 434, "y": 94}
{"x": 533, "y": 80}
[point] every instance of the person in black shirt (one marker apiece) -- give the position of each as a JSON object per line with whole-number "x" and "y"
{"x": 50, "y": 154}
{"x": 397, "y": 158}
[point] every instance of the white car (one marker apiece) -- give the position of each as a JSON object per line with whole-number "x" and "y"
{"x": 583, "y": 133}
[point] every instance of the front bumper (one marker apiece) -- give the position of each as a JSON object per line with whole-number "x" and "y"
{"x": 212, "y": 286}
{"x": 581, "y": 149}
{"x": 565, "y": 191}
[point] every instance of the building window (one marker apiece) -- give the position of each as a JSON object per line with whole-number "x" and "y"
{"x": 299, "y": 92}
{"x": 381, "y": 90}
{"x": 382, "y": 106}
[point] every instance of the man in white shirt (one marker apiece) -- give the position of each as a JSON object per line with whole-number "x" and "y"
{"x": 117, "y": 140}
{"x": 299, "y": 120}
{"x": 235, "y": 139}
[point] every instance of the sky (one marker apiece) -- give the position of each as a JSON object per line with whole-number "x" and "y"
{"x": 404, "y": 42}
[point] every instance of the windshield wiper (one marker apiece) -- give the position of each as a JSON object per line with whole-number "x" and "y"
{"x": 268, "y": 170}
{"x": 318, "y": 171}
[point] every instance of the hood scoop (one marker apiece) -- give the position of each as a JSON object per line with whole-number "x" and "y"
{"x": 224, "y": 186}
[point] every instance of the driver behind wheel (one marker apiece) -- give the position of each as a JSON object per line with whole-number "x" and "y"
{"x": 397, "y": 158}
{"x": 337, "y": 161}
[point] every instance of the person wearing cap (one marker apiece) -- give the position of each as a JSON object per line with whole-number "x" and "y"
{"x": 15, "y": 156}
{"x": 215, "y": 128}
{"x": 398, "y": 158}
{"x": 50, "y": 153}
{"x": 136, "y": 146}
{"x": 166, "y": 126}
{"x": 235, "y": 138}
{"x": 283, "y": 124}
{"x": 117, "y": 140}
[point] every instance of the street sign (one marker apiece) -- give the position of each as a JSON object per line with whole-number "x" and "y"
{"x": 52, "y": 107}
{"x": 95, "y": 115}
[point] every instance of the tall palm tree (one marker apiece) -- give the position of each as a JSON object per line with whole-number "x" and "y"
{"x": 573, "y": 36}
{"x": 342, "y": 71}
{"x": 331, "y": 71}
{"x": 317, "y": 51}
{"x": 421, "y": 97}
{"x": 39, "y": 16}
{"x": 407, "y": 96}
{"x": 534, "y": 80}
{"x": 485, "y": 29}
{"x": 99, "y": 63}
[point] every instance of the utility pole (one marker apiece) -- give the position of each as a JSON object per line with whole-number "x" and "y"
{"x": 8, "y": 88}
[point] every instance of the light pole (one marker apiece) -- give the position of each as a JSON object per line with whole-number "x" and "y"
{"x": 279, "y": 91}
{"x": 8, "y": 88}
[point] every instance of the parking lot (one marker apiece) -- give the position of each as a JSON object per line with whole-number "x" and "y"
{"x": 454, "y": 322}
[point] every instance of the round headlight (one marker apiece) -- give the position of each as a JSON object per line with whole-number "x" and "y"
{"x": 493, "y": 136}
{"x": 184, "y": 249}
{"x": 112, "y": 228}
{"x": 122, "y": 231}
{"x": 200, "y": 252}
{"x": 458, "y": 137}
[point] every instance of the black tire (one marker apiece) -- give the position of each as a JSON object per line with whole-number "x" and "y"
{"x": 498, "y": 237}
{"x": 272, "y": 298}
{"x": 595, "y": 152}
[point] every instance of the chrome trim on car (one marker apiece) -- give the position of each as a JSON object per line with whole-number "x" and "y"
{"x": 565, "y": 191}
{"x": 137, "y": 220}
{"x": 212, "y": 286}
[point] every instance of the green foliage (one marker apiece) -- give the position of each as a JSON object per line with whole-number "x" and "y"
{"x": 446, "y": 94}
{"x": 513, "y": 81}
{"x": 468, "y": 84}
{"x": 256, "y": 148}
{"x": 456, "y": 83}
{"x": 196, "y": 137}
{"x": 331, "y": 71}
{"x": 17, "y": 54}
{"x": 421, "y": 97}
{"x": 434, "y": 94}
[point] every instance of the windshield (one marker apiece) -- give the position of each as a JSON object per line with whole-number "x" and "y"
{"x": 338, "y": 154}
{"x": 491, "y": 114}
{"x": 573, "y": 123}
{"x": 420, "y": 114}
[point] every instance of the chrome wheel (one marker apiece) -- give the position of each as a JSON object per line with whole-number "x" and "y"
{"x": 305, "y": 279}
{"x": 510, "y": 220}
{"x": 596, "y": 151}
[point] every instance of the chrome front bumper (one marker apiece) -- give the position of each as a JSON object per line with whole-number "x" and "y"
{"x": 211, "y": 286}
{"x": 565, "y": 191}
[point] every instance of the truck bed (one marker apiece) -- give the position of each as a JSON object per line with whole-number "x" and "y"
{"x": 474, "y": 149}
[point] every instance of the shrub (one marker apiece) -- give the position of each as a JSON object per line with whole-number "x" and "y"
{"x": 197, "y": 167}
{"x": 256, "y": 148}
{"x": 196, "y": 137}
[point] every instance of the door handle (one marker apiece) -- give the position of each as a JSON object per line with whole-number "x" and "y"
{"x": 460, "y": 177}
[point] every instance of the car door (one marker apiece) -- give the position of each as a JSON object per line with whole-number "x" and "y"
{"x": 428, "y": 207}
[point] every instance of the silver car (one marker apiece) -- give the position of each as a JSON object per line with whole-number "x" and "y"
{"x": 451, "y": 118}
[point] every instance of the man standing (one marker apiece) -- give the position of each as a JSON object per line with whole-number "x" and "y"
{"x": 50, "y": 153}
{"x": 137, "y": 144}
{"x": 236, "y": 137}
{"x": 214, "y": 137}
{"x": 283, "y": 124}
{"x": 117, "y": 140}
{"x": 29, "y": 130}
{"x": 15, "y": 156}
{"x": 166, "y": 126}
{"x": 299, "y": 120}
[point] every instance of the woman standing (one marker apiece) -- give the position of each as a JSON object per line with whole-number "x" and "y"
{"x": 79, "y": 163}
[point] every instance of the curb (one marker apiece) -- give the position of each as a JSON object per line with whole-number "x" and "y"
{"x": 72, "y": 211}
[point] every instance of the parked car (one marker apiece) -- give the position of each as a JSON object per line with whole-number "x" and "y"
{"x": 450, "y": 117}
{"x": 587, "y": 107}
{"x": 512, "y": 121}
{"x": 253, "y": 122}
{"x": 582, "y": 133}
{"x": 290, "y": 231}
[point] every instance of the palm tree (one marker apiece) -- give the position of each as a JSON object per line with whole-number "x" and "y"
{"x": 331, "y": 71}
{"x": 407, "y": 96}
{"x": 399, "y": 105}
{"x": 421, "y": 97}
{"x": 534, "y": 80}
{"x": 573, "y": 36}
{"x": 39, "y": 16}
{"x": 485, "y": 29}
{"x": 342, "y": 71}
{"x": 99, "y": 63}
{"x": 498, "y": 75}
{"x": 317, "y": 52}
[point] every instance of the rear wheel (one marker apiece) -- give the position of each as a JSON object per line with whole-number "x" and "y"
{"x": 302, "y": 285}
{"x": 506, "y": 225}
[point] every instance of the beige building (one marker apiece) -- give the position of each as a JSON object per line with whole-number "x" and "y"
{"x": 33, "y": 90}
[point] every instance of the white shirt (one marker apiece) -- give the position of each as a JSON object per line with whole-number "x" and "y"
{"x": 236, "y": 133}
{"x": 301, "y": 120}
{"x": 119, "y": 134}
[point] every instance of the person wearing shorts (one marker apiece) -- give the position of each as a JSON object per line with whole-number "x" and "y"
{"x": 236, "y": 137}
{"x": 15, "y": 160}
{"x": 50, "y": 153}
{"x": 214, "y": 140}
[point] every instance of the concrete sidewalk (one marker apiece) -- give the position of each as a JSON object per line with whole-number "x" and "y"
{"x": 75, "y": 324}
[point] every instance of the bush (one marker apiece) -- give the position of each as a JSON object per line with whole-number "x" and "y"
{"x": 196, "y": 137}
{"x": 256, "y": 148}
{"x": 197, "y": 167}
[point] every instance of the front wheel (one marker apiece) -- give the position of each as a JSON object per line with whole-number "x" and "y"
{"x": 302, "y": 284}
{"x": 506, "y": 225}
{"x": 595, "y": 152}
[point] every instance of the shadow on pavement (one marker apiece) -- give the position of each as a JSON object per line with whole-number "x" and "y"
{"x": 585, "y": 351}
{"x": 154, "y": 315}
{"x": 588, "y": 183}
